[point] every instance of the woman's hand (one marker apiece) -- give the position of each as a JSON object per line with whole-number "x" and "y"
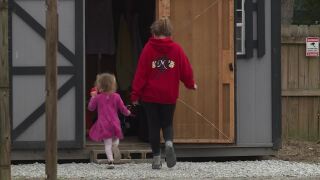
{"x": 195, "y": 86}
{"x": 135, "y": 103}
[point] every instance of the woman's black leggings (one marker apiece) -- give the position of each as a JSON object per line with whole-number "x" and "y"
{"x": 160, "y": 116}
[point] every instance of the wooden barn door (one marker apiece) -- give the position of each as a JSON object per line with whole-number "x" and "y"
{"x": 205, "y": 30}
{"x": 27, "y": 55}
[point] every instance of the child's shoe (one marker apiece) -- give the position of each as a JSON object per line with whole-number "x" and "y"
{"x": 170, "y": 154}
{"x": 110, "y": 165}
{"x": 156, "y": 164}
{"x": 116, "y": 154}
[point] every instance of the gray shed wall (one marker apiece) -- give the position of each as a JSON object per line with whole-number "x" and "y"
{"x": 28, "y": 88}
{"x": 254, "y": 97}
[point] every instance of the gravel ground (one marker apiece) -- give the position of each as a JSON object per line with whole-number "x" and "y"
{"x": 267, "y": 169}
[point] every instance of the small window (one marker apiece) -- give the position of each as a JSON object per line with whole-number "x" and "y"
{"x": 240, "y": 28}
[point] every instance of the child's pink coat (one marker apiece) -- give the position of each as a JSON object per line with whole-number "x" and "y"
{"x": 108, "y": 123}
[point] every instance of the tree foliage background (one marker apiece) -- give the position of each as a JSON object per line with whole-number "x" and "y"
{"x": 306, "y": 12}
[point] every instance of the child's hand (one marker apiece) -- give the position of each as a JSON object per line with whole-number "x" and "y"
{"x": 94, "y": 92}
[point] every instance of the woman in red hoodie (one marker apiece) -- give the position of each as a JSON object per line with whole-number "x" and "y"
{"x": 162, "y": 64}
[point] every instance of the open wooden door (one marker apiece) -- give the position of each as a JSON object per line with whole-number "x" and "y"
{"x": 205, "y": 30}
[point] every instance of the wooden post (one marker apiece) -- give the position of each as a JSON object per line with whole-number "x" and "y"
{"x": 51, "y": 88}
{"x": 162, "y": 8}
{"x": 5, "y": 139}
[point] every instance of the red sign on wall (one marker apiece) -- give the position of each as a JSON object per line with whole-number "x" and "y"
{"x": 312, "y": 46}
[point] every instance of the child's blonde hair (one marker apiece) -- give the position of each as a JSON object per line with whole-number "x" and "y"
{"x": 106, "y": 82}
{"x": 161, "y": 27}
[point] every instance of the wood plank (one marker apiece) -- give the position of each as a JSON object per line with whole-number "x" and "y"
{"x": 51, "y": 88}
{"x": 301, "y": 92}
{"x": 313, "y": 78}
{"x": 226, "y": 25}
{"x": 184, "y": 116}
{"x": 293, "y": 117}
{"x": 314, "y": 121}
{"x": 231, "y": 73}
{"x": 197, "y": 37}
{"x": 284, "y": 111}
{"x": 284, "y": 67}
{"x": 220, "y": 65}
{"x": 314, "y": 65}
{"x": 177, "y": 13}
{"x": 126, "y": 161}
{"x": 301, "y": 31}
{"x": 181, "y": 140}
{"x": 5, "y": 138}
{"x": 209, "y": 11}
{"x": 303, "y": 119}
{"x": 163, "y": 8}
{"x": 293, "y": 68}
{"x": 289, "y": 41}
{"x": 303, "y": 68}
{"x": 228, "y": 73}
{"x": 310, "y": 117}
{"x": 196, "y": 42}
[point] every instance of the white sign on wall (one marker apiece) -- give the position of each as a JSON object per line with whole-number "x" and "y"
{"x": 312, "y": 46}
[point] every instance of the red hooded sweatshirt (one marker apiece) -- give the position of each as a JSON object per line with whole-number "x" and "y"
{"x": 162, "y": 64}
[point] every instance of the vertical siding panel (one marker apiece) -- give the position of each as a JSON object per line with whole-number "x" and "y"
{"x": 293, "y": 116}
{"x": 313, "y": 128}
{"x": 284, "y": 67}
{"x": 293, "y": 63}
{"x": 303, "y": 67}
{"x": 304, "y": 108}
{"x": 304, "y": 102}
{"x": 284, "y": 117}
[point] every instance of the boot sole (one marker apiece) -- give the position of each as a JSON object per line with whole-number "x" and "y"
{"x": 156, "y": 166}
{"x": 170, "y": 157}
{"x": 116, "y": 154}
{"x": 110, "y": 167}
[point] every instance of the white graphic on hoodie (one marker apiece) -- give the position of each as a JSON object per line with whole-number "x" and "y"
{"x": 163, "y": 63}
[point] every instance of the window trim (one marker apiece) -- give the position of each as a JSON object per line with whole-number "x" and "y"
{"x": 242, "y": 25}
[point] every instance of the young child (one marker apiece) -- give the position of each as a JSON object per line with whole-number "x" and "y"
{"x": 107, "y": 128}
{"x": 162, "y": 65}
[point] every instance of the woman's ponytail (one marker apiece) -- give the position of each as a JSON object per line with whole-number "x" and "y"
{"x": 162, "y": 27}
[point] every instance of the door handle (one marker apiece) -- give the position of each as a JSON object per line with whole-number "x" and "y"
{"x": 231, "y": 67}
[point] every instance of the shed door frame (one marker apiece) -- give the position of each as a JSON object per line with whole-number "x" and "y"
{"x": 76, "y": 70}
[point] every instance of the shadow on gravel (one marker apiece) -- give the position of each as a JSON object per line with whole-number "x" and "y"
{"x": 43, "y": 162}
{"x": 222, "y": 159}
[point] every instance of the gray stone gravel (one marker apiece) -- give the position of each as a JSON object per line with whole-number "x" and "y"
{"x": 183, "y": 170}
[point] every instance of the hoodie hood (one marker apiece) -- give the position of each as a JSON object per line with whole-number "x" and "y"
{"x": 161, "y": 45}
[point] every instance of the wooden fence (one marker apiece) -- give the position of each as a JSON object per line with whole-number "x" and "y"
{"x": 300, "y": 85}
